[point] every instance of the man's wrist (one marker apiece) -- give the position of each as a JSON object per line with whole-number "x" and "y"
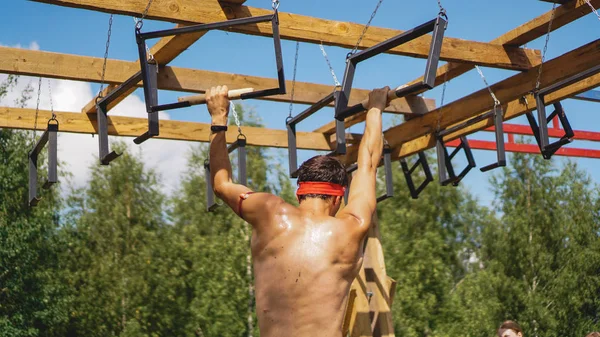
{"x": 219, "y": 121}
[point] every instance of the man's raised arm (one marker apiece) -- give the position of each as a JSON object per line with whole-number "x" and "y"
{"x": 234, "y": 195}
{"x": 362, "y": 199}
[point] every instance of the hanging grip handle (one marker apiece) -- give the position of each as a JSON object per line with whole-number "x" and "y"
{"x": 201, "y": 99}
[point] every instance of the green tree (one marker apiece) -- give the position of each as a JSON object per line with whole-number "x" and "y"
{"x": 539, "y": 264}
{"x": 426, "y": 243}
{"x": 31, "y": 301}
{"x": 114, "y": 229}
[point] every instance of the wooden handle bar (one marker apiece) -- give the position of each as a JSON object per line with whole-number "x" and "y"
{"x": 201, "y": 99}
{"x": 391, "y": 96}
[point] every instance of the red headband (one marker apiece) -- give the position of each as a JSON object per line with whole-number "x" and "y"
{"x": 321, "y": 188}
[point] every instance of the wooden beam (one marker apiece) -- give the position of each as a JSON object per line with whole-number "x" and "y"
{"x": 17, "y": 118}
{"x": 521, "y": 35}
{"x": 512, "y": 110}
{"x": 314, "y": 30}
{"x": 509, "y": 90}
{"x": 83, "y": 68}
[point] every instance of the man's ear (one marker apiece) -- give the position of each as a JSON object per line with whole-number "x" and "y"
{"x": 519, "y": 334}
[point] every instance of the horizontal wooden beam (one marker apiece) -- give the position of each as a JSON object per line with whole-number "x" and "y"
{"x": 508, "y": 92}
{"x": 512, "y": 110}
{"x": 24, "y": 119}
{"x": 314, "y": 30}
{"x": 89, "y": 69}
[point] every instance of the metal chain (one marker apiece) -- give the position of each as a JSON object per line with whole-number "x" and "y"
{"x": 442, "y": 9}
{"x": 110, "y": 22}
{"x": 275, "y": 5}
{"x": 237, "y": 119}
{"x": 593, "y": 9}
{"x": 294, "y": 80}
{"x": 140, "y": 23}
{"x": 365, "y": 30}
{"x": 540, "y": 71}
{"x": 496, "y": 101}
{"x": 37, "y": 110}
{"x": 51, "y": 104}
{"x": 439, "y": 115}
{"x": 335, "y": 79}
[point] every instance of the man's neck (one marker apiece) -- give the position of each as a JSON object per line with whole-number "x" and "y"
{"x": 316, "y": 206}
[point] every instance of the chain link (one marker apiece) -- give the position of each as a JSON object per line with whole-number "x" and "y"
{"x": 275, "y": 5}
{"x": 496, "y": 101}
{"x": 140, "y": 23}
{"x": 442, "y": 9}
{"x": 335, "y": 79}
{"x": 593, "y": 9}
{"x": 439, "y": 115}
{"x": 237, "y": 119}
{"x": 365, "y": 30}
{"x": 294, "y": 80}
{"x": 538, "y": 83}
{"x": 37, "y": 110}
{"x": 51, "y": 104}
{"x": 110, "y": 22}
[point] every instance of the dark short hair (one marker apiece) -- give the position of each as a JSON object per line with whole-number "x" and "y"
{"x": 514, "y": 326}
{"x": 322, "y": 169}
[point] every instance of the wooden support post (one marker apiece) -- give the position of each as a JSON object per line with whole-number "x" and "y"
{"x": 83, "y": 68}
{"x": 371, "y": 296}
{"x": 314, "y": 30}
{"x": 521, "y": 35}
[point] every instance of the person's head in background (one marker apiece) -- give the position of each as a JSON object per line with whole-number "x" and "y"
{"x": 593, "y": 334}
{"x": 510, "y": 329}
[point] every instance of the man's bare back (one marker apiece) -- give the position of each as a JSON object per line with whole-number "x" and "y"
{"x": 303, "y": 271}
{"x": 305, "y": 258}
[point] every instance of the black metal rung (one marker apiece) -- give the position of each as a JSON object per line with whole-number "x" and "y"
{"x": 291, "y": 130}
{"x": 49, "y": 137}
{"x": 498, "y": 114}
{"x": 421, "y": 161}
{"x": 436, "y": 26}
{"x": 446, "y": 171}
{"x": 240, "y": 147}
{"x": 149, "y": 69}
{"x": 540, "y": 131}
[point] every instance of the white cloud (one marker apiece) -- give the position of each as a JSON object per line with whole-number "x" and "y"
{"x": 80, "y": 151}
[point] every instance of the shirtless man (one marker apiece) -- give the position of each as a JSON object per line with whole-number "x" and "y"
{"x": 305, "y": 258}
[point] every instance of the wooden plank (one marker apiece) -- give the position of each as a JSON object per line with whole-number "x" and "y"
{"x": 17, "y": 118}
{"x": 509, "y": 90}
{"x": 315, "y": 30}
{"x": 523, "y": 34}
{"x": 83, "y": 68}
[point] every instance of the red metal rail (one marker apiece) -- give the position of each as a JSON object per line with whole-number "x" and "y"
{"x": 555, "y": 131}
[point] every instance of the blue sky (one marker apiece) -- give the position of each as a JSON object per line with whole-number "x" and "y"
{"x": 82, "y": 32}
